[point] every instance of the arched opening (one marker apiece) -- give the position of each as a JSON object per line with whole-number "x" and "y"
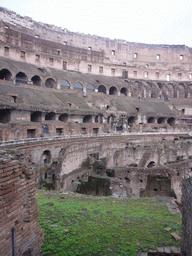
{"x": 5, "y": 74}
{"x": 153, "y": 95}
{"x": 131, "y": 120}
{"x": 36, "y": 80}
{"x": 87, "y": 119}
{"x": 21, "y": 78}
{"x": 161, "y": 120}
{"x": 108, "y": 119}
{"x": 123, "y": 91}
{"x": 5, "y": 116}
{"x": 36, "y": 116}
{"x": 78, "y": 86}
{"x": 50, "y": 116}
{"x": 96, "y": 119}
{"x": 90, "y": 88}
{"x": 151, "y": 120}
{"x": 64, "y": 85}
{"x": 63, "y": 117}
{"x": 151, "y": 164}
{"x": 46, "y": 158}
{"x": 112, "y": 90}
{"x": 171, "y": 121}
{"x": 160, "y": 85}
{"x": 102, "y": 89}
{"x": 50, "y": 83}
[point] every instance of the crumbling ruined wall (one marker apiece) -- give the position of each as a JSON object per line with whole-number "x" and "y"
{"x": 186, "y": 248}
{"x": 18, "y": 208}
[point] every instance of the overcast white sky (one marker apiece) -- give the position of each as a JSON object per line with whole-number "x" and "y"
{"x": 143, "y": 21}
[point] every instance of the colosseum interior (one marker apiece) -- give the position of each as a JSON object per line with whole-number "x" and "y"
{"x": 73, "y": 104}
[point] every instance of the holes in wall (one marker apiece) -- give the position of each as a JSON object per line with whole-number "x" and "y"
{"x": 45, "y": 158}
{"x": 31, "y": 133}
{"x": 5, "y": 74}
{"x": 59, "y": 131}
{"x": 113, "y": 52}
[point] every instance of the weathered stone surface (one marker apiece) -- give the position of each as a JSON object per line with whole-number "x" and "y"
{"x": 174, "y": 235}
{"x": 167, "y": 229}
{"x": 19, "y": 212}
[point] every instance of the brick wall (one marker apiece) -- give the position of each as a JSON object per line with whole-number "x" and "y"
{"x": 18, "y": 208}
{"x": 186, "y": 248}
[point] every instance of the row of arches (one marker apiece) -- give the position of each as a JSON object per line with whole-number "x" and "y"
{"x": 141, "y": 89}
{"x": 38, "y": 116}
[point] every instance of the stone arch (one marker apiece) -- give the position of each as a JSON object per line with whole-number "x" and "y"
{"x": 102, "y": 89}
{"x": 78, "y": 86}
{"x": 21, "y": 77}
{"x": 151, "y": 120}
{"x": 36, "y": 116}
{"x": 160, "y": 85}
{"x": 124, "y": 91}
{"x": 171, "y": 121}
{"x": 36, "y": 80}
{"x": 64, "y": 117}
{"x": 50, "y": 116}
{"x": 64, "y": 85}
{"x": 87, "y": 119}
{"x": 131, "y": 120}
{"x": 161, "y": 120}
{"x": 90, "y": 88}
{"x": 50, "y": 83}
{"x": 112, "y": 90}
{"x": 5, "y": 74}
{"x": 45, "y": 158}
{"x": 151, "y": 164}
{"x": 5, "y": 115}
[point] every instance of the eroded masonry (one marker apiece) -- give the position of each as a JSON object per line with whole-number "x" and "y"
{"x": 72, "y": 105}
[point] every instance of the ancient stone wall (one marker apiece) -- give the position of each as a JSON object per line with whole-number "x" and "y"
{"x": 19, "y": 212}
{"x": 186, "y": 248}
{"x": 48, "y": 45}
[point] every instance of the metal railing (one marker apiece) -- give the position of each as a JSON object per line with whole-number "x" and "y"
{"x": 66, "y": 137}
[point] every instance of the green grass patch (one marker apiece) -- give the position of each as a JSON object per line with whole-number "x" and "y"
{"x": 104, "y": 225}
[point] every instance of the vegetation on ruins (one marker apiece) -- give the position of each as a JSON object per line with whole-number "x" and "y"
{"x": 76, "y": 224}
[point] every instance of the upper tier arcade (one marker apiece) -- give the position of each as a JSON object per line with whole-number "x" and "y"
{"x": 25, "y": 40}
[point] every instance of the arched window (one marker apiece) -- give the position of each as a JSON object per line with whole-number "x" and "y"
{"x": 21, "y": 78}
{"x": 124, "y": 91}
{"x": 50, "y": 116}
{"x": 63, "y": 117}
{"x": 64, "y": 85}
{"x": 5, "y": 115}
{"x": 171, "y": 121}
{"x": 90, "y": 88}
{"x": 112, "y": 90}
{"x": 161, "y": 120}
{"x": 151, "y": 120}
{"x": 78, "y": 86}
{"x": 87, "y": 119}
{"x": 5, "y": 74}
{"x": 36, "y": 116}
{"x": 131, "y": 120}
{"x": 36, "y": 80}
{"x": 102, "y": 89}
{"x": 50, "y": 83}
